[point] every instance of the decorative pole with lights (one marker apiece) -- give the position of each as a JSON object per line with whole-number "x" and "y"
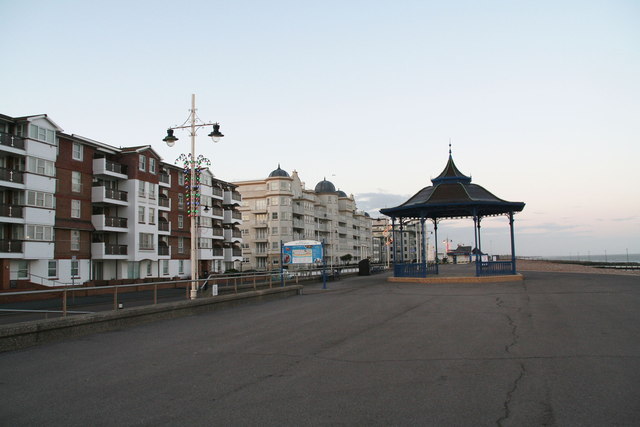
{"x": 192, "y": 180}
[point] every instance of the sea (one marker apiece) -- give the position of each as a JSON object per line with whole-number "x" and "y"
{"x": 597, "y": 258}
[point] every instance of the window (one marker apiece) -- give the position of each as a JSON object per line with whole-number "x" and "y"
{"x": 181, "y": 266}
{"x": 23, "y": 269}
{"x": 40, "y": 232}
{"x": 41, "y": 166}
{"x": 180, "y": 178}
{"x": 149, "y": 268}
{"x": 275, "y": 245}
{"x": 180, "y": 221}
{"x": 180, "y": 201}
{"x": 74, "y": 269}
{"x": 180, "y": 245}
{"x": 75, "y": 240}
{"x": 165, "y": 267}
{"x": 52, "y": 268}
{"x": 261, "y": 204}
{"x": 40, "y": 199}
{"x": 141, "y": 214}
{"x": 42, "y": 134}
{"x": 142, "y": 162}
{"x": 76, "y": 154}
{"x": 146, "y": 241}
{"x": 76, "y": 181}
{"x": 152, "y": 215}
{"x": 152, "y": 165}
{"x": 75, "y": 209}
{"x": 141, "y": 189}
{"x": 152, "y": 191}
{"x": 274, "y": 230}
{"x": 274, "y": 215}
{"x": 205, "y": 243}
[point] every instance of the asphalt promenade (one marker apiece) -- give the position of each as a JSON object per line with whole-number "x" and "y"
{"x": 555, "y": 349}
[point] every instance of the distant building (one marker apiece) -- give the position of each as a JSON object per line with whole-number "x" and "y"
{"x": 280, "y": 209}
{"x": 73, "y": 210}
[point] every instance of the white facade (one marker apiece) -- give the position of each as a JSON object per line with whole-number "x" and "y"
{"x": 280, "y": 209}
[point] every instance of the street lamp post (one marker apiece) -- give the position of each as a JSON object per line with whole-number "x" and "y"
{"x": 194, "y": 200}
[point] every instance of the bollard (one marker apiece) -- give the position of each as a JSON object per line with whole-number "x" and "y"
{"x": 155, "y": 294}
{"x": 235, "y": 284}
{"x": 64, "y": 303}
{"x": 115, "y": 298}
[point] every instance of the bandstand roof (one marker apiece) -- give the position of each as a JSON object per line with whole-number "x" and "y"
{"x": 452, "y": 195}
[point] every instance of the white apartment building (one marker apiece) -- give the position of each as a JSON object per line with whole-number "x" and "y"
{"x": 280, "y": 209}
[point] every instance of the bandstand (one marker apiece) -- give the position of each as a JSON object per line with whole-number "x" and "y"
{"x": 451, "y": 196}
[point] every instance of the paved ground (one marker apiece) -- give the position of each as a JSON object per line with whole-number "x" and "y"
{"x": 555, "y": 349}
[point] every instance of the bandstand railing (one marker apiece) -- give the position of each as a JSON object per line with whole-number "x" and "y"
{"x": 494, "y": 268}
{"x": 414, "y": 269}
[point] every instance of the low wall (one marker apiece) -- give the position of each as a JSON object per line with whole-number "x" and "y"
{"x": 26, "y": 334}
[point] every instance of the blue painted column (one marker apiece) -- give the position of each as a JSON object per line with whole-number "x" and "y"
{"x": 513, "y": 245}
{"x": 475, "y": 237}
{"x": 401, "y": 241}
{"x": 435, "y": 233}
{"x": 423, "y": 244}
{"x": 394, "y": 244}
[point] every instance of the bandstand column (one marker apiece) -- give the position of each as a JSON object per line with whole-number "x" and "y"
{"x": 475, "y": 237}
{"x": 435, "y": 233}
{"x": 401, "y": 240}
{"x": 423, "y": 244}
{"x": 513, "y": 245}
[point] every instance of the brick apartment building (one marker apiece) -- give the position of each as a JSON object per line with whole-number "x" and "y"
{"x": 74, "y": 210}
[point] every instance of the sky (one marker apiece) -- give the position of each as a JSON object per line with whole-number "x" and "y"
{"x": 540, "y": 99}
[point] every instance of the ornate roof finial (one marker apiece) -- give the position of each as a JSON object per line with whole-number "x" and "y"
{"x": 449, "y": 146}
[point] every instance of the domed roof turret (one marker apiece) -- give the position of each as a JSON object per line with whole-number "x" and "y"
{"x": 279, "y": 172}
{"x": 325, "y": 186}
{"x": 341, "y": 193}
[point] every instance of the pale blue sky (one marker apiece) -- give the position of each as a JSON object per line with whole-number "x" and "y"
{"x": 541, "y": 99}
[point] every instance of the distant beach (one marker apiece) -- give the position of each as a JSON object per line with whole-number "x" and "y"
{"x": 617, "y": 258}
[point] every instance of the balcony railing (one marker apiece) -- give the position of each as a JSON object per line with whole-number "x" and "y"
{"x": 237, "y": 234}
{"x": 115, "y": 249}
{"x": 11, "y": 140}
{"x": 115, "y": 167}
{"x": 236, "y": 215}
{"x": 11, "y": 175}
{"x": 164, "y": 178}
{"x": 163, "y": 226}
{"x": 237, "y": 252}
{"x": 10, "y": 246}
{"x": 236, "y": 196}
{"x": 216, "y": 211}
{"x": 217, "y": 191}
{"x": 114, "y": 221}
{"x": 163, "y": 250}
{"x": 217, "y": 231}
{"x": 116, "y": 194}
{"x": 164, "y": 202}
{"x": 218, "y": 252}
{"x": 12, "y": 211}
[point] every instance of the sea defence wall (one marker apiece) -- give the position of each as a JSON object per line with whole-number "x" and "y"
{"x": 26, "y": 334}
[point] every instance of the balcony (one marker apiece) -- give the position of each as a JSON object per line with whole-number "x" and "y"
{"x": 12, "y": 211}
{"x": 101, "y": 194}
{"x": 217, "y": 192}
{"x": 13, "y": 141}
{"x": 109, "y": 223}
{"x": 164, "y": 203}
{"x": 217, "y": 232}
{"x": 108, "y": 251}
{"x": 232, "y": 217}
{"x": 217, "y": 211}
{"x": 165, "y": 180}
{"x": 10, "y": 175}
{"x": 108, "y": 168}
{"x": 9, "y": 247}
{"x": 164, "y": 251}
{"x": 164, "y": 226}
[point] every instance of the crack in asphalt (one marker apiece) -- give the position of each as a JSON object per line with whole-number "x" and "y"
{"x": 510, "y": 393}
